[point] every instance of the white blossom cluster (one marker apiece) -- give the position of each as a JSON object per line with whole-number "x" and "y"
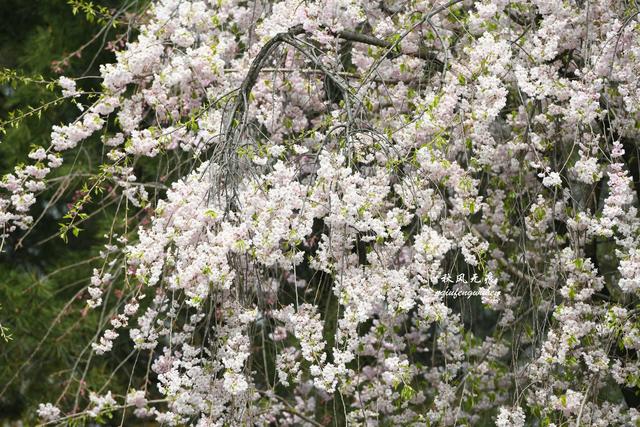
{"x": 296, "y": 267}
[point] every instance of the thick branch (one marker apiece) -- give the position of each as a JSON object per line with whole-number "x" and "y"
{"x": 422, "y": 53}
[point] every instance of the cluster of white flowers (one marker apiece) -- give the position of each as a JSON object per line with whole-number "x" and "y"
{"x": 345, "y": 155}
{"x": 68, "y": 87}
{"x": 510, "y": 417}
{"x": 48, "y": 412}
{"x": 100, "y": 404}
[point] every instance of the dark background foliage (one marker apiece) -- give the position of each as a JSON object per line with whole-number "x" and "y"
{"x": 39, "y": 291}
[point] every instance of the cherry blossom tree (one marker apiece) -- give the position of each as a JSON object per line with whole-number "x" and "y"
{"x": 367, "y": 213}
